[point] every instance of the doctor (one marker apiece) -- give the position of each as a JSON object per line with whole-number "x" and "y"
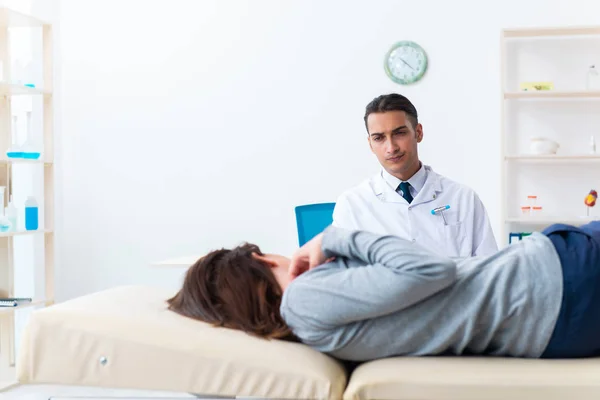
{"x": 400, "y": 198}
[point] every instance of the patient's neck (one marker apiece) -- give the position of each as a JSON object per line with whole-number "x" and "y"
{"x": 282, "y": 276}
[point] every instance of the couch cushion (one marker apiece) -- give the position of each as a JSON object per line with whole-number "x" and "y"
{"x": 126, "y": 338}
{"x": 475, "y": 378}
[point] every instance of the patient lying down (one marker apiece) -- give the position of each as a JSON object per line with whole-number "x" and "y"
{"x": 360, "y": 296}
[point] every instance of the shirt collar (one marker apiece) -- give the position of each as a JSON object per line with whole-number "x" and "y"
{"x": 417, "y": 181}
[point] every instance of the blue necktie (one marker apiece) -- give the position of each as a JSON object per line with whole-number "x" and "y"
{"x": 405, "y": 188}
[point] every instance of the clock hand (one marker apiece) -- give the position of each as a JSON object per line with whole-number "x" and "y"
{"x": 410, "y": 66}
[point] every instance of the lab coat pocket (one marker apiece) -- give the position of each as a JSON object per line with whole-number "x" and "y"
{"x": 453, "y": 236}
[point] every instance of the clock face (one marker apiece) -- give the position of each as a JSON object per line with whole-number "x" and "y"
{"x": 406, "y": 62}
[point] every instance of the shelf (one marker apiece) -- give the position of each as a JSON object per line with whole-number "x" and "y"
{"x": 34, "y": 303}
{"x": 549, "y": 220}
{"x": 546, "y": 32}
{"x": 22, "y": 233}
{"x": 11, "y": 89}
{"x": 553, "y": 94}
{"x": 13, "y": 19}
{"x": 17, "y": 161}
{"x": 543, "y": 158}
{"x": 42, "y": 282}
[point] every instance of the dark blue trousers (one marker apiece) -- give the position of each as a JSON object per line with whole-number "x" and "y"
{"x": 577, "y": 330}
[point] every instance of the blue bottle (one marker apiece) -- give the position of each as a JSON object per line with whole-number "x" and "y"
{"x": 31, "y": 214}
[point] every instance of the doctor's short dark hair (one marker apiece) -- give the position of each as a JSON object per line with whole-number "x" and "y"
{"x": 392, "y": 102}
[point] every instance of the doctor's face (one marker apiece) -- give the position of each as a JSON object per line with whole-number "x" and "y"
{"x": 393, "y": 139}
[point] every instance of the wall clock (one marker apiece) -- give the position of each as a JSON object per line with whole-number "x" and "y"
{"x": 405, "y": 62}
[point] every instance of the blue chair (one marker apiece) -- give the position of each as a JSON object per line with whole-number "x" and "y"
{"x": 312, "y": 219}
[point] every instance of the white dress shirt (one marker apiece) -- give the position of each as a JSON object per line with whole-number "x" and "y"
{"x": 416, "y": 182}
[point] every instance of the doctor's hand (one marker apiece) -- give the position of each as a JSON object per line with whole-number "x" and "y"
{"x": 308, "y": 257}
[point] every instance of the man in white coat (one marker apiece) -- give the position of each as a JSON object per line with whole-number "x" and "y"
{"x": 407, "y": 198}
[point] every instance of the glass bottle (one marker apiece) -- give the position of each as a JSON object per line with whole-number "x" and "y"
{"x": 593, "y": 78}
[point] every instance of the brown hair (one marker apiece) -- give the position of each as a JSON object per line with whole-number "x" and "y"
{"x": 232, "y": 289}
{"x": 392, "y": 102}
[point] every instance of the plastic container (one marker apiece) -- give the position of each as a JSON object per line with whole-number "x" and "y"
{"x": 531, "y": 200}
{"x": 526, "y": 210}
{"x": 30, "y": 151}
{"x": 31, "y": 214}
{"x": 592, "y": 78}
{"x": 5, "y": 224}
{"x": 537, "y": 210}
{"x": 542, "y": 145}
{"x": 14, "y": 151}
{"x": 4, "y": 221}
{"x": 12, "y": 214}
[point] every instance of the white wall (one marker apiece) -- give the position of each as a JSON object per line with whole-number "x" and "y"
{"x": 190, "y": 125}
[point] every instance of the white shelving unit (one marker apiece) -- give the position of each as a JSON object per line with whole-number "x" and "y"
{"x": 568, "y": 114}
{"x": 40, "y": 173}
{"x": 552, "y": 95}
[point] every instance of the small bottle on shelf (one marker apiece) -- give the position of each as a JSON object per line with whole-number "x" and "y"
{"x": 14, "y": 151}
{"x": 30, "y": 150}
{"x": 4, "y": 221}
{"x": 12, "y": 214}
{"x": 31, "y": 214}
{"x": 593, "y": 78}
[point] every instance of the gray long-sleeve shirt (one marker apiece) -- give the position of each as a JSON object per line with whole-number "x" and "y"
{"x": 385, "y": 296}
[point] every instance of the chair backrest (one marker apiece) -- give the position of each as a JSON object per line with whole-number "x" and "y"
{"x": 312, "y": 219}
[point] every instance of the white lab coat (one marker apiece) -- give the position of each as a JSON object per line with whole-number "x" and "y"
{"x": 374, "y": 206}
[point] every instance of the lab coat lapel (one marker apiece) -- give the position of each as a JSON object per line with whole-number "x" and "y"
{"x": 430, "y": 191}
{"x": 384, "y": 192}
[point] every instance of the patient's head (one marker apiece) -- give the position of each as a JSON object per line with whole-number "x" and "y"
{"x": 239, "y": 288}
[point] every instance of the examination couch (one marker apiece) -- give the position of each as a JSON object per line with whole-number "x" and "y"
{"x": 126, "y": 338}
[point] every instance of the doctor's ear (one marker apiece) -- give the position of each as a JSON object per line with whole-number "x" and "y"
{"x": 419, "y": 132}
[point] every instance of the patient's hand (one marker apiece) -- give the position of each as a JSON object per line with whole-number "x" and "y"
{"x": 307, "y": 257}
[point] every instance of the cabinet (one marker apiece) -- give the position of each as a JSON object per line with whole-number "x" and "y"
{"x": 568, "y": 114}
{"x": 26, "y": 118}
